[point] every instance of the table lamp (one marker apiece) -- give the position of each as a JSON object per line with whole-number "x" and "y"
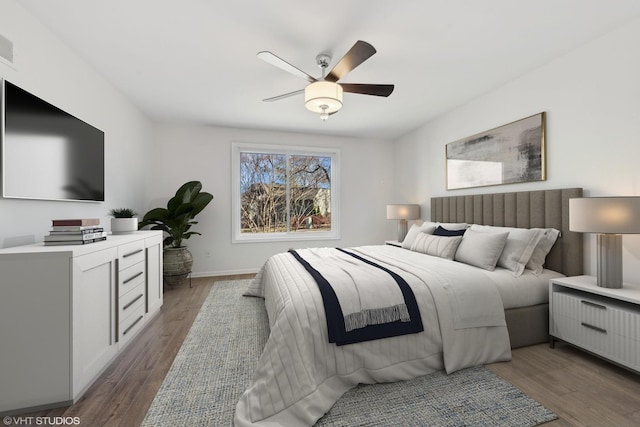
{"x": 403, "y": 213}
{"x": 610, "y": 218}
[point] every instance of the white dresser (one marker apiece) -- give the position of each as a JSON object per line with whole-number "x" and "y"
{"x": 67, "y": 311}
{"x": 603, "y": 321}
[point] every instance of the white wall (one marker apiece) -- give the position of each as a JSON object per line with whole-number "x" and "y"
{"x": 184, "y": 153}
{"x": 48, "y": 69}
{"x": 592, "y": 100}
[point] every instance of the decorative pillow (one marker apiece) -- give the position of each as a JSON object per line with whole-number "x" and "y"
{"x": 454, "y": 225}
{"x": 441, "y": 231}
{"x": 546, "y": 242}
{"x": 519, "y": 247}
{"x": 414, "y": 231}
{"x": 481, "y": 249}
{"x": 440, "y": 246}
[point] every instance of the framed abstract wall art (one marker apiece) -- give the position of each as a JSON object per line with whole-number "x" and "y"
{"x": 508, "y": 154}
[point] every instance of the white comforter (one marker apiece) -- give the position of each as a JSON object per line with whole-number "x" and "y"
{"x": 300, "y": 375}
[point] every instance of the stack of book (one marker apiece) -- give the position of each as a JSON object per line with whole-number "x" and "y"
{"x": 79, "y": 231}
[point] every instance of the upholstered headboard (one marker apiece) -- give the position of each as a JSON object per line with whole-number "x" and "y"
{"x": 524, "y": 209}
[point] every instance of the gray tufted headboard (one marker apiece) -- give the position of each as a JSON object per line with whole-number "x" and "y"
{"x": 525, "y": 209}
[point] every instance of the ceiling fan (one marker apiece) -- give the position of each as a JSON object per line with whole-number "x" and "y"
{"x": 324, "y": 95}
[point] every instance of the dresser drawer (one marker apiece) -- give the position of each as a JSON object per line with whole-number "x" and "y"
{"x": 130, "y": 254}
{"x": 129, "y": 302}
{"x": 131, "y": 277}
{"x": 134, "y": 321}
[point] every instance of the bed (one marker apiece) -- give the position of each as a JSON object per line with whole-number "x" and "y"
{"x": 545, "y": 208}
{"x": 468, "y": 316}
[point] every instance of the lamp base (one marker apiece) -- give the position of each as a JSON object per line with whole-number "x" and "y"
{"x": 402, "y": 229}
{"x": 609, "y": 260}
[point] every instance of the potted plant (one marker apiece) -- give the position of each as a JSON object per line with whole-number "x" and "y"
{"x": 176, "y": 220}
{"x": 124, "y": 221}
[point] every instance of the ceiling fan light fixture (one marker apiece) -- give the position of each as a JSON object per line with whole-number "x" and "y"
{"x": 323, "y": 97}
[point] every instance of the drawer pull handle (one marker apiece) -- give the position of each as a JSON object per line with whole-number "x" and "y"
{"x": 131, "y": 278}
{"x": 132, "y": 325}
{"x": 593, "y": 304}
{"x": 132, "y": 302}
{"x": 132, "y": 253}
{"x": 594, "y": 328}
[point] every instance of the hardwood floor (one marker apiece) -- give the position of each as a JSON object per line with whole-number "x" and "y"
{"x": 581, "y": 389}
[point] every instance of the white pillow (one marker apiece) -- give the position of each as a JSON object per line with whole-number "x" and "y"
{"x": 481, "y": 249}
{"x": 414, "y": 231}
{"x": 440, "y": 246}
{"x": 519, "y": 247}
{"x": 546, "y": 242}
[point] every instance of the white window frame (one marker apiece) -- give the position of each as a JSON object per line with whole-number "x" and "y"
{"x": 239, "y": 147}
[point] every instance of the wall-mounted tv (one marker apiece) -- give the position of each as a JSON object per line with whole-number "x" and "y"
{"x": 48, "y": 153}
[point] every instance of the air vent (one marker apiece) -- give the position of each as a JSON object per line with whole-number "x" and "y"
{"x": 6, "y": 49}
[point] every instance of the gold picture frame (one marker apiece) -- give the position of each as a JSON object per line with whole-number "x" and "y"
{"x": 509, "y": 154}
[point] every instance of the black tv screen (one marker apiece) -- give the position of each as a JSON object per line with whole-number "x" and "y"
{"x": 48, "y": 153}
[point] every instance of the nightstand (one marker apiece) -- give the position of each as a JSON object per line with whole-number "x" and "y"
{"x": 393, "y": 243}
{"x": 603, "y": 321}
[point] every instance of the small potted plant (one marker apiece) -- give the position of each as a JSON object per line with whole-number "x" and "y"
{"x": 124, "y": 221}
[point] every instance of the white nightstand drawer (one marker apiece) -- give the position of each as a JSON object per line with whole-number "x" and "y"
{"x": 589, "y": 337}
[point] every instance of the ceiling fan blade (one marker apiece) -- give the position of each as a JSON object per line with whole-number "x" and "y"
{"x": 286, "y": 95}
{"x": 276, "y": 61}
{"x": 359, "y": 52}
{"x": 368, "y": 89}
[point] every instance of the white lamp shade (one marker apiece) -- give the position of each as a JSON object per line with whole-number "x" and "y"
{"x": 403, "y": 211}
{"x": 606, "y": 215}
{"x": 323, "y": 96}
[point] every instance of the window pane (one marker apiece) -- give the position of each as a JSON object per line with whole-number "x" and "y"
{"x": 263, "y": 193}
{"x": 310, "y": 193}
{"x": 285, "y": 193}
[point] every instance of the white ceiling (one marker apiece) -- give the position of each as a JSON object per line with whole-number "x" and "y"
{"x": 194, "y": 61}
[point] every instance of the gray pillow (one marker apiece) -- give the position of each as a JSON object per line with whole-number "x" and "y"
{"x": 481, "y": 249}
{"x": 520, "y": 245}
{"x": 440, "y": 246}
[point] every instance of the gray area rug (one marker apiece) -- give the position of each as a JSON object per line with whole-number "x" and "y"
{"x": 216, "y": 362}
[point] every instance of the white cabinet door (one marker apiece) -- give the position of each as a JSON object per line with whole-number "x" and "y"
{"x": 34, "y": 329}
{"x": 154, "y": 274}
{"x": 94, "y": 315}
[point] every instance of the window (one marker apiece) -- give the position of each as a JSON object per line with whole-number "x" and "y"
{"x": 284, "y": 193}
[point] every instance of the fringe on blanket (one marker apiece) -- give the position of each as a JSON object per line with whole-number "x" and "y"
{"x": 376, "y": 316}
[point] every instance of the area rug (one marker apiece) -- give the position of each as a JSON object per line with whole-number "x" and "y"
{"x": 216, "y": 362}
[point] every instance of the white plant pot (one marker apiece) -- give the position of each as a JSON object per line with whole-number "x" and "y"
{"x": 124, "y": 225}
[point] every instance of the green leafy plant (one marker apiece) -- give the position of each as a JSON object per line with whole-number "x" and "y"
{"x": 178, "y": 217}
{"x": 123, "y": 213}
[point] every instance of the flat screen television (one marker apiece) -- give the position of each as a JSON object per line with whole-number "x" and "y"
{"x": 48, "y": 153}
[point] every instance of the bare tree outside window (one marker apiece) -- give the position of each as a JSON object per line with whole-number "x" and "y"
{"x": 282, "y": 193}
